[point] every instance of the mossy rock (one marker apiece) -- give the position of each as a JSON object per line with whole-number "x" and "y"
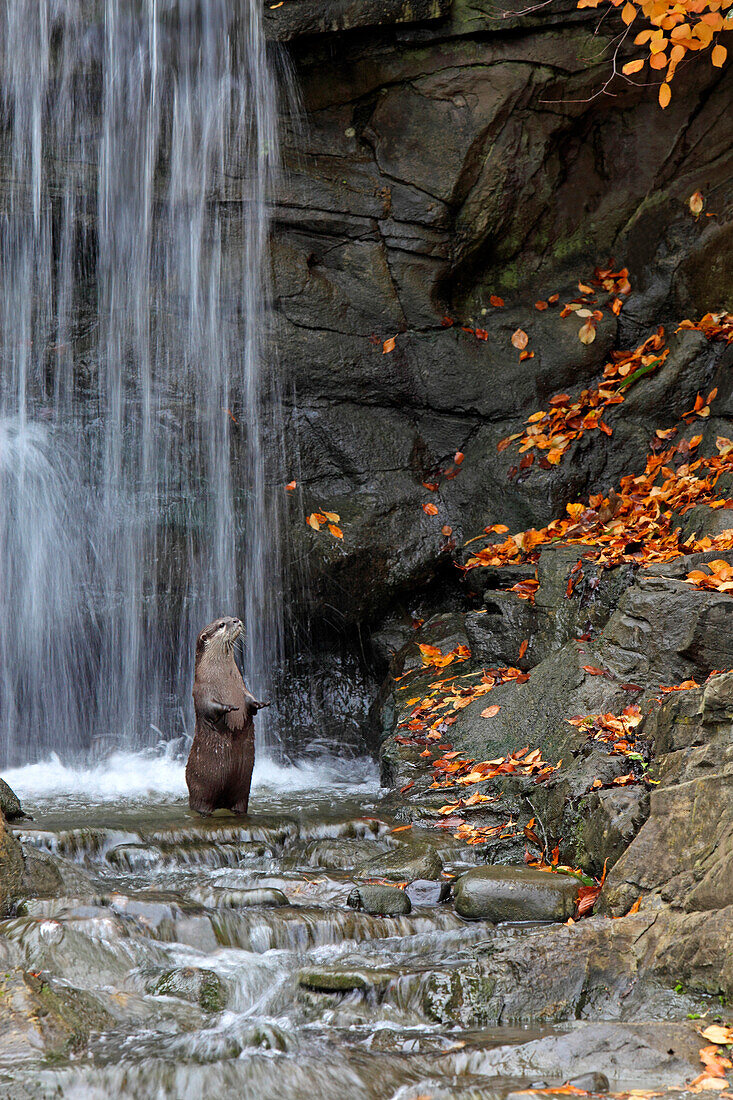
{"x": 190, "y": 983}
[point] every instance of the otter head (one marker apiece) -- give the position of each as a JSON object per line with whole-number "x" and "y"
{"x": 216, "y": 641}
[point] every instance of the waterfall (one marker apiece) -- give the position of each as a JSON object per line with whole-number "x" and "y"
{"x": 138, "y": 143}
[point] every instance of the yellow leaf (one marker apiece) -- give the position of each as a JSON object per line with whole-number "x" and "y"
{"x": 718, "y": 56}
{"x": 628, "y": 14}
{"x": 491, "y": 712}
{"x": 665, "y": 94}
{"x": 335, "y": 531}
{"x": 587, "y": 333}
{"x": 696, "y": 203}
{"x": 332, "y": 517}
{"x": 313, "y": 521}
{"x": 632, "y": 67}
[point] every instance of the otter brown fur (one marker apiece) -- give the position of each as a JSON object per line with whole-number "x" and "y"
{"x": 219, "y": 768}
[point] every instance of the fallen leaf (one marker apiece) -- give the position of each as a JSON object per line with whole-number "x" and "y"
{"x": 523, "y": 648}
{"x": 290, "y": 486}
{"x": 719, "y": 1034}
{"x": 718, "y": 56}
{"x": 430, "y": 509}
{"x": 335, "y": 531}
{"x": 520, "y": 339}
{"x": 388, "y": 345}
{"x": 587, "y": 333}
{"x": 447, "y": 531}
{"x": 496, "y": 301}
{"x": 696, "y": 203}
{"x": 491, "y": 712}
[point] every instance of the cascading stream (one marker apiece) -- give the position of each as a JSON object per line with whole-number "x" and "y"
{"x": 138, "y": 142}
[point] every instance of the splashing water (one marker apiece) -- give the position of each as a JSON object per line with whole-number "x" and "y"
{"x": 139, "y": 144}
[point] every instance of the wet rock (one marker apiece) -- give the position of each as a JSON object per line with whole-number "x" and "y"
{"x": 608, "y": 821}
{"x": 427, "y": 892}
{"x": 382, "y": 901}
{"x": 199, "y": 986}
{"x": 10, "y": 803}
{"x": 632, "y": 1055}
{"x": 339, "y": 853}
{"x": 406, "y": 863}
{"x": 12, "y": 867}
{"x": 43, "y": 1017}
{"x": 223, "y": 898}
{"x": 514, "y": 894}
{"x": 590, "y": 1082}
{"x": 132, "y": 857}
{"x": 42, "y": 876}
{"x": 344, "y": 979}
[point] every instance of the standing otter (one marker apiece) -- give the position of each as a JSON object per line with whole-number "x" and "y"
{"x": 219, "y": 768}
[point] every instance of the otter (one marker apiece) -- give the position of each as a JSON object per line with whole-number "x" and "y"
{"x": 219, "y": 767}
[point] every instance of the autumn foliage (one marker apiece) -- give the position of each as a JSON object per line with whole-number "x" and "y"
{"x": 670, "y": 33}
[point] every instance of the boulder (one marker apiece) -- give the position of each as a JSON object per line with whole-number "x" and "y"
{"x": 191, "y": 983}
{"x": 381, "y": 901}
{"x": 12, "y": 867}
{"x": 427, "y": 892}
{"x": 345, "y": 979}
{"x": 500, "y": 894}
{"x": 405, "y": 864}
{"x": 10, "y": 803}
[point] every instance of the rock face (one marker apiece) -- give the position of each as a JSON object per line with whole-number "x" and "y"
{"x": 443, "y": 161}
{"x": 684, "y": 853}
{"x": 514, "y": 894}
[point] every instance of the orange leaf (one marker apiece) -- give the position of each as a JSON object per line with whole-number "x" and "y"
{"x": 496, "y": 301}
{"x": 335, "y": 531}
{"x": 520, "y": 339}
{"x": 430, "y": 509}
{"x": 523, "y": 648}
{"x": 628, "y": 14}
{"x": 665, "y": 95}
{"x": 632, "y": 67}
{"x": 458, "y": 457}
{"x": 718, "y": 56}
{"x": 290, "y": 486}
{"x": 447, "y": 531}
{"x": 540, "y": 306}
{"x": 491, "y": 712}
{"x": 388, "y": 345}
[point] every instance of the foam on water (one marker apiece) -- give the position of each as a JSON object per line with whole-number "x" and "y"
{"x": 159, "y": 775}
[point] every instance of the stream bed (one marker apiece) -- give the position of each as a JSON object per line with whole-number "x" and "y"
{"x": 225, "y": 956}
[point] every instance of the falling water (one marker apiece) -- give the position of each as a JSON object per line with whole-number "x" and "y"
{"x": 138, "y": 143}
